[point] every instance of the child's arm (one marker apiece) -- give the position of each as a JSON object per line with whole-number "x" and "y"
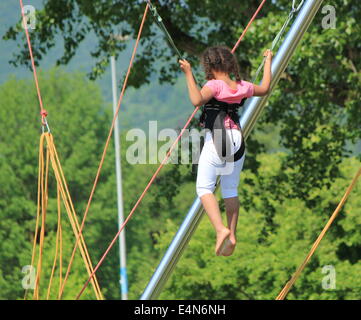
{"x": 197, "y": 97}
{"x": 263, "y": 89}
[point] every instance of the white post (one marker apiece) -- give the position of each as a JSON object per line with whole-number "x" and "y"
{"x": 123, "y": 280}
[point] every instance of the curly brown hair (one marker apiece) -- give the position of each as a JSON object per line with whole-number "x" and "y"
{"x": 220, "y": 58}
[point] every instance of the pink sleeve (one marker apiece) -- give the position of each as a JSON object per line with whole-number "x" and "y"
{"x": 213, "y": 85}
{"x": 249, "y": 88}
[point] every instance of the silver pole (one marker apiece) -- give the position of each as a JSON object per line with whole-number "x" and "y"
{"x": 122, "y": 248}
{"x": 252, "y": 111}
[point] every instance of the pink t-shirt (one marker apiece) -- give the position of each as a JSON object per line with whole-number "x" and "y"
{"x": 223, "y": 92}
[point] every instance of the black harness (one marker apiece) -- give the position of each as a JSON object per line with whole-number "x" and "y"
{"x": 212, "y": 117}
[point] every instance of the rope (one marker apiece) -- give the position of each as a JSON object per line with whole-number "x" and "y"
{"x": 282, "y": 295}
{"x": 106, "y": 145}
{"x": 59, "y": 175}
{"x": 43, "y": 186}
{"x": 247, "y": 27}
{"x": 58, "y": 245}
{"x": 160, "y": 166}
{"x": 40, "y": 175}
{"x": 45, "y": 160}
{"x": 159, "y": 21}
{"x": 38, "y": 215}
{"x": 43, "y": 112}
{"x": 64, "y": 191}
{"x": 44, "y": 204}
{"x": 279, "y": 35}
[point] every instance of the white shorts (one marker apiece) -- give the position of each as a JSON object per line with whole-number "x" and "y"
{"x": 210, "y": 166}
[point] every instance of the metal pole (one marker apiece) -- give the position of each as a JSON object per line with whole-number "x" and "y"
{"x": 122, "y": 248}
{"x": 252, "y": 111}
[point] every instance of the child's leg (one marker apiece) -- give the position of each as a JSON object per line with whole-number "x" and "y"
{"x": 232, "y": 210}
{"x": 210, "y": 204}
{"x": 206, "y": 180}
{"x": 229, "y": 187}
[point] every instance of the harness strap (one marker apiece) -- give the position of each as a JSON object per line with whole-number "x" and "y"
{"x": 213, "y": 116}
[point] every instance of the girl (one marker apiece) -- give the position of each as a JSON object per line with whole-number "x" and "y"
{"x": 219, "y": 65}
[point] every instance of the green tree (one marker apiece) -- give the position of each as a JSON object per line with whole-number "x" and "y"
{"x": 79, "y": 121}
{"x": 78, "y": 127}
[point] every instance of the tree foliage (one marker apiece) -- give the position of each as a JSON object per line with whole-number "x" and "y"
{"x": 79, "y": 121}
{"x": 73, "y": 105}
{"x": 311, "y": 119}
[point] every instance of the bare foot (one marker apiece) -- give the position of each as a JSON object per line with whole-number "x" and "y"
{"x": 229, "y": 247}
{"x": 222, "y": 236}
